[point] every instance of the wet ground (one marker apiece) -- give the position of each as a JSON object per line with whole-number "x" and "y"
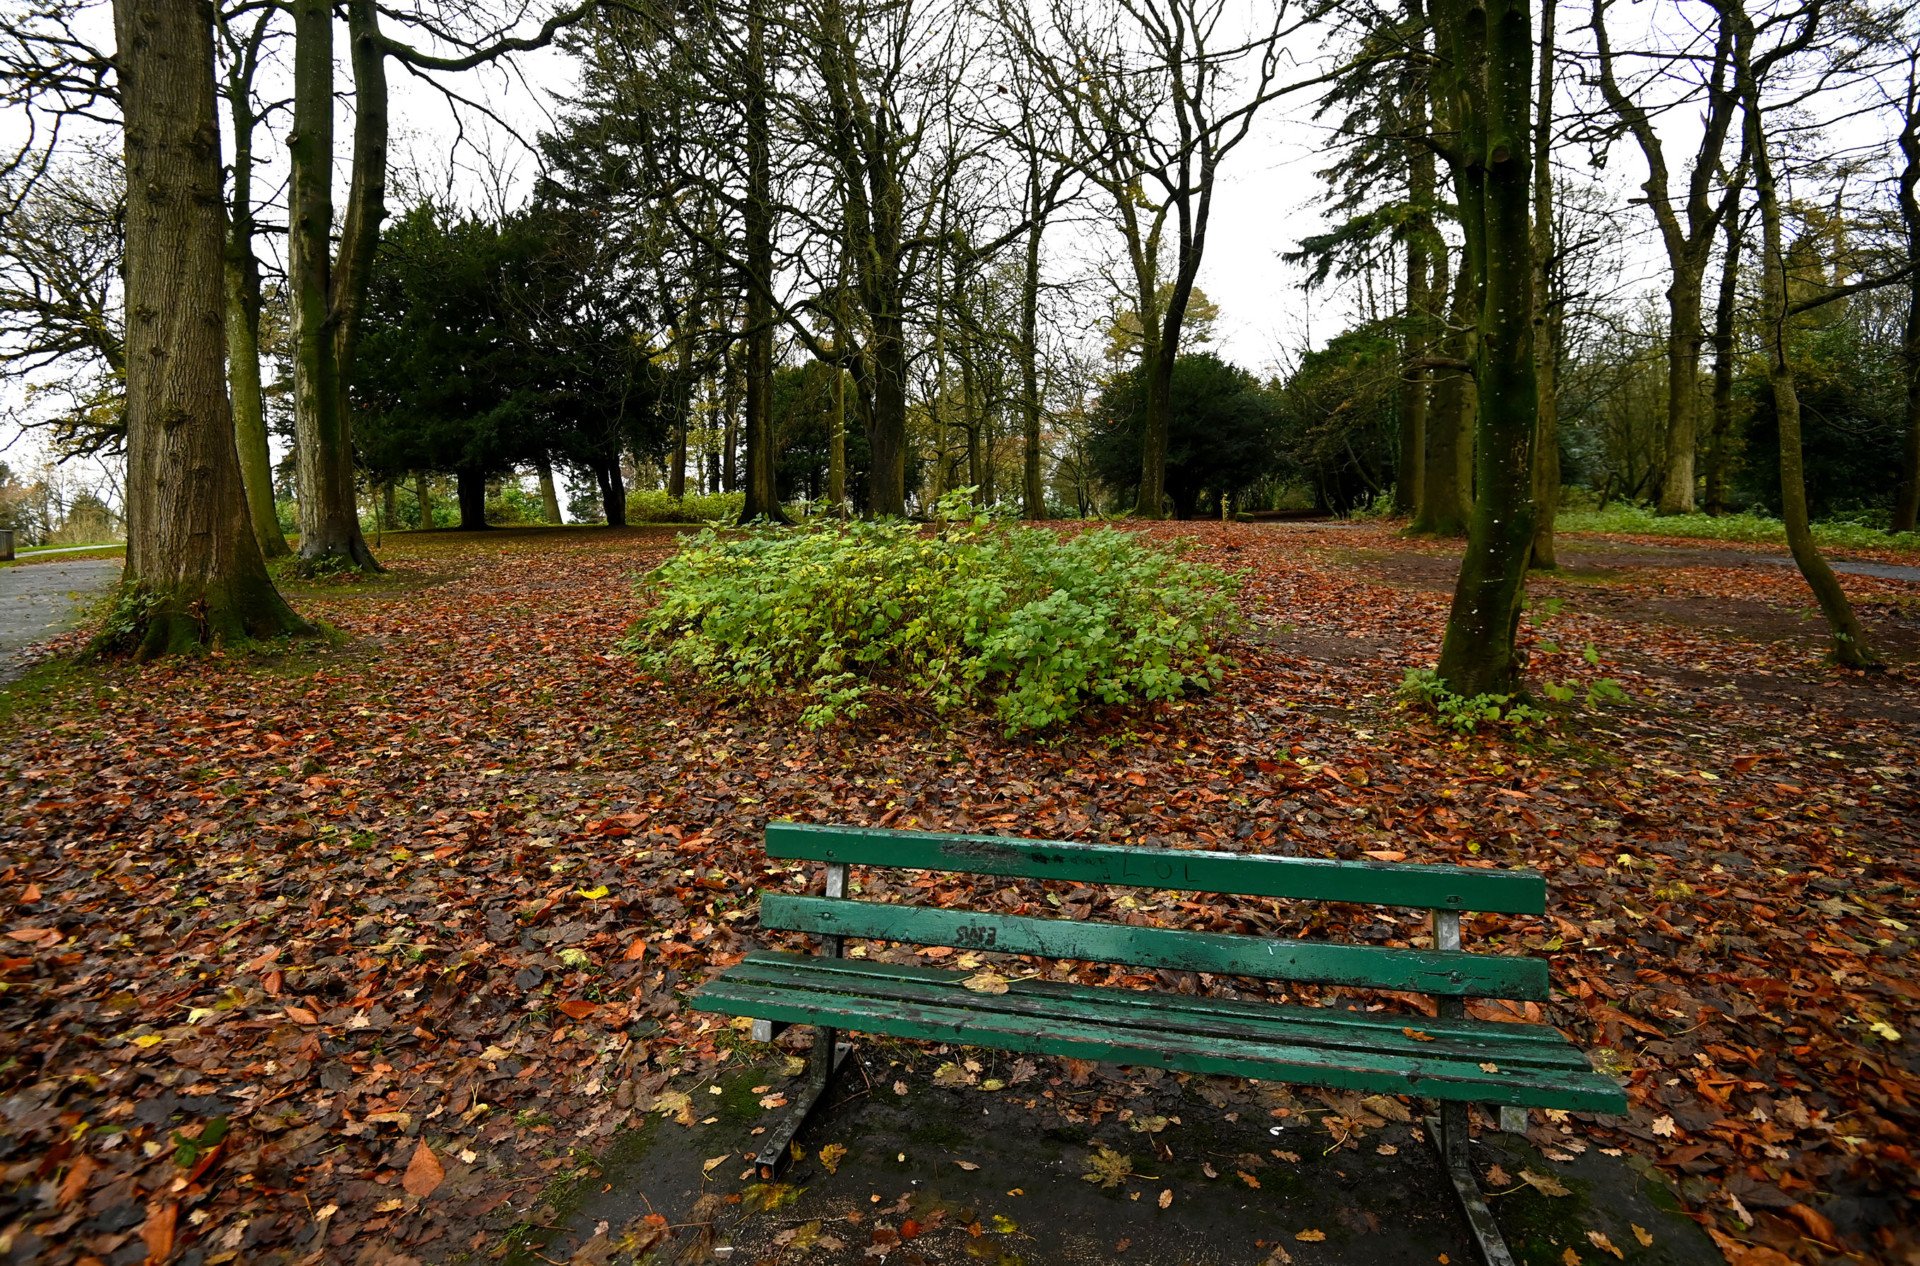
{"x": 44, "y": 599}
{"x": 1198, "y": 1172}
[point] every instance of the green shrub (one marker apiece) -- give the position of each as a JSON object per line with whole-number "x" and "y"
{"x": 1039, "y": 625}
{"x": 1636, "y": 520}
{"x": 651, "y": 505}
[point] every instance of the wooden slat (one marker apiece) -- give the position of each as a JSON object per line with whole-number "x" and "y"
{"x": 987, "y": 1021}
{"x": 1532, "y": 1045}
{"x": 1253, "y": 875}
{"x": 1447, "y": 972}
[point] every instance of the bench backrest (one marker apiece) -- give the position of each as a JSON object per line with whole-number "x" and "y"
{"x": 1447, "y": 889}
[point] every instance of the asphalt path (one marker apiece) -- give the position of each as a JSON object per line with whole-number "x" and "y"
{"x": 45, "y": 599}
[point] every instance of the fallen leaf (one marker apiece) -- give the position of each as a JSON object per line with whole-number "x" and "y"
{"x": 1664, "y": 1127}
{"x": 1643, "y": 1235}
{"x": 75, "y": 1182}
{"x": 1601, "y": 1242}
{"x": 831, "y": 1155}
{"x": 424, "y": 1174}
{"x": 157, "y": 1231}
{"x": 300, "y": 1015}
{"x": 1489, "y": 1068}
{"x": 578, "y": 1008}
{"x": 969, "y": 1166}
{"x": 1498, "y": 1177}
{"x": 1545, "y": 1184}
{"x": 1108, "y": 1168}
{"x": 1248, "y": 1179}
{"x": 1166, "y": 1198}
{"x": 1418, "y": 1035}
{"x": 708, "y": 1166}
{"x": 986, "y": 982}
{"x": 1570, "y": 1258}
{"x": 1311, "y": 1237}
{"x": 637, "y": 950}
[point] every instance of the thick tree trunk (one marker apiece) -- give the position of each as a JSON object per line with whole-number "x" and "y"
{"x": 242, "y": 269}
{"x": 195, "y": 575}
{"x": 837, "y": 445}
{"x": 1418, "y": 339}
{"x": 1720, "y": 427}
{"x": 1446, "y": 480}
{"x": 470, "y": 488}
{"x": 1684, "y": 337}
{"x": 1547, "y": 324}
{"x": 762, "y": 501}
{"x": 887, "y": 419}
{"x": 1492, "y": 50}
{"x": 425, "y": 501}
{"x": 1849, "y": 639}
{"x": 328, "y": 511}
{"x": 389, "y": 506}
{"x": 549, "y": 499}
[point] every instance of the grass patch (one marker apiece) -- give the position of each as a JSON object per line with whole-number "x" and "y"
{"x": 1633, "y": 520}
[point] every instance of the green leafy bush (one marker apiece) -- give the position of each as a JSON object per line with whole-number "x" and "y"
{"x": 1423, "y": 689}
{"x": 654, "y": 506}
{"x": 1039, "y": 625}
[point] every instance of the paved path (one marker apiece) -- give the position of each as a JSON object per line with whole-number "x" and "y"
{"x": 66, "y": 549}
{"x": 39, "y": 601}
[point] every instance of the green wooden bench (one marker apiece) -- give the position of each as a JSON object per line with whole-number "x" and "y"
{"x": 1452, "y": 1059}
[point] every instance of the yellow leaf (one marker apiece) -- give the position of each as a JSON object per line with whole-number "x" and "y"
{"x": 969, "y": 1166}
{"x": 1885, "y": 1030}
{"x": 707, "y": 1167}
{"x": 1489, "y": 1068}
{"x": 986, "y": 982}
{"x": 1664, "y": 1127}
{"x": 146, "y": 1040}
{"x": 831, "y": 1155}
{"x": 1108, "y": 1167}
{"x": 1643, "y": 1235}
{"x": 1003, "y": 1225}
{"x": 1601, "y": 1242}
{"x": 1417, "y": 1035}
{"x": 1311, "y": 1237}
{"x": 1570, "y": 1257}
{"x": 1166, "y": 1198}
{"x": 594, "y": 894}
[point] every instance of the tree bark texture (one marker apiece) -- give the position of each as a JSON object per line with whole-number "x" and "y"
{"x": 1490, "y": 46}
{"x": 549, "y": 499}
{"x": 195, "y": 573}
{"x": 1033, "y": 487}
{"x": 242, "y": 268}
{"x": 1446, "y": 480}
{"x": 1547, "y": 324}
{"x": 1720, "y": 424}
{"x": 1849, "y": 639}
{"x": 1417, "y": 341}
{"x": 762, "y": 500}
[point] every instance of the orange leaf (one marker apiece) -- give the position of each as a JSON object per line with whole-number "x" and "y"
{"x": 300, "y": 1015}
{"x": 578, "y": 1008}
{"x": 75, "y": 1182}
{"x": 1417, "y": 1035}
{"x": 637, "y": 950}
{"x": 424, "y": 1174}
{"x": 157, "y": 1231}
{"x": 1386, "y": 854}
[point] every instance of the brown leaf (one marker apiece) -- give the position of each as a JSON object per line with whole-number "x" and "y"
{"x": 157, "y": 1231}
{"x": 578, "y": 1008}
{"x": 75, "y": 1182}
{"x": 424, "y": 1174}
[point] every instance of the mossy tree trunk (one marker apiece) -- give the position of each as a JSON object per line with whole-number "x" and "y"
{"x": 1547, "y": 309}
{"x": 1489, "y": 47}
{"x": 195, "y": 573}
{"x": 1906, "y": 507}
{"x": 1446, "y": 480}
{"x": 549, "y": 499}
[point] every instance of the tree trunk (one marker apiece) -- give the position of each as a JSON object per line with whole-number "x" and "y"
{"x": 1684, "y": 337}
{"x": 1849, "y": 639}
{"x": 613, "y": 491}
{"x": 328, "y": 511}
{"x": 1033, "y": 488}
{"x": 762, "y": 501}
{"x": 1157, "y": 368}
{"x": 1418, "y": 340}
{"x": 243, "y": 312}
{"x": 1446, "y": 480}
{"x": 1547, "y": 324}
{"x": 194, "y": 575}
{"x": 425, "y": 501}
{"x": 470, "y": 488}
{"x": 1492, "y": 51}
{"x": 1720, "y": 428}
{"x": 549, "y": 499}
{"x": 1906, "y": 506}
{"x": 837, "y": 445}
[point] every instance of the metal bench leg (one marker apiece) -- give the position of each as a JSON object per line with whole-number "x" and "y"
{"x": 827, "y": 1055}
{"x": 825, "y": 1060}
{"x": 1450, "y": 1133}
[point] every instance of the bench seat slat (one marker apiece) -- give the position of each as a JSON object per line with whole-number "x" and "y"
{"x": 1253, "y": 875}
{"x": 1532, "y": 1045}
{"x": 806, "y": 995}
{"x": 1445, "y": 972}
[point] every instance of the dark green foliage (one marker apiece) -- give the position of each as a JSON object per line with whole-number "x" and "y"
{"x": 1852, "y": 403}
{"x": 1219, "y": 439}
{"x": 803, "y": 411}
{"x": 1338, "y": 419}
